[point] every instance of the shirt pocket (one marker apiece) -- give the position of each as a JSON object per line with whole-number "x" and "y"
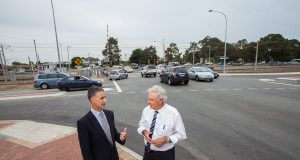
{"x": 165, "y": 129}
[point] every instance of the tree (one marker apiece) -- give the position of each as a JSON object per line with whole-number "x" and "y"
{"x": 149, "y": 55}
{"x": 275, "y": 47}
{"x": 136, "y": 56}
{"x": 217, "y": 48}
{"x": 17, "y": 63}
{"x": 172, "y": 53}
{"x": 193, "y": 53}
{"x": 112, "y": 51}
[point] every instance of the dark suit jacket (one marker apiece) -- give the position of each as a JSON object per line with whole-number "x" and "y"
{"x": 93, "y": 141}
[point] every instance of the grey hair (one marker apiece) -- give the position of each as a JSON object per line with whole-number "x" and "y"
{"x": 93, "y": 91}
{"x": 159, "y": 91}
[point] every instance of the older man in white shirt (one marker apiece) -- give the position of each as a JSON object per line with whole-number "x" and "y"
{"x": 161, "y": 125}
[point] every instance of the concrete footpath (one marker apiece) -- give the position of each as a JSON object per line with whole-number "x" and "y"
{"x": 29, "y": 140}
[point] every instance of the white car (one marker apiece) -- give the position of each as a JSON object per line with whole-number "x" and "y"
{"x": 201, "y": 73}
{"x": 117, "y": 74}
{"x": 128, "y": 69}
{"x": 149, "y": 70}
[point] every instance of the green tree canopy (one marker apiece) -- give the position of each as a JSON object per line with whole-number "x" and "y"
{"x": 112, "y": 51}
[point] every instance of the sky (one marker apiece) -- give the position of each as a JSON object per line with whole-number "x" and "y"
{"x": 82, "y": 24}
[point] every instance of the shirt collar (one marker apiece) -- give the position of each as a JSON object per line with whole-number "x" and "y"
{"x": 95, "y": 113}
{"x": 160, "y": 110}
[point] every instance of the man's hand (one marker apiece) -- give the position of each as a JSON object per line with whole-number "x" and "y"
{"x": 160, "y": 141}
{"x": 147, "y": 134}
{"x": 123, "y": 135}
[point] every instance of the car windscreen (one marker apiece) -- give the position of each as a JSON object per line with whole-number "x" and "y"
{"x": 113, "y": 72}
{"x": 201, "y": 69}
{"x": 151, "y": 67}
{"x": 181, "y": 69}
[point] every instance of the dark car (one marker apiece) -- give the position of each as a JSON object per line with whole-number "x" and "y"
{"x": 173, "y": 75}
{"x": 216, "y": 74}
{"x": 77, "y": 82}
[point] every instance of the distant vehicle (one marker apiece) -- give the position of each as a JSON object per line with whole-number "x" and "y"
{"x": 200, "y": 73}
{"x": 173, "y": 64}
{"x": 216, "y": 74}
{"x": 134, "y": 66}
{"x": 128, "y": 69}
{"x": 117, "y": 74}
{"x": 161, "y": 68}
{"x": 199, "y": 65}
{"x": 174, "y": 75}
{"x": 48, "y": 80}
{"x": 77, "y": 82}
{"x": 295, "y": 61}
{"x": 149, "y": 70}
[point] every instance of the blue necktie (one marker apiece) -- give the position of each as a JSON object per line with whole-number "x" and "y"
{"x": 151, "y": 130}
{"x": 105, "y": 127}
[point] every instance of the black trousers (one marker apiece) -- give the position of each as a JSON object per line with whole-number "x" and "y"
{"x": 160, "y": 155}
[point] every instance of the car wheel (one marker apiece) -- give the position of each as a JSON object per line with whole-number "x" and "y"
{"x": 142, "y": 75}
{"x": 120, "y": 78}
{"x": 154, "y": 75}
{"x": 211, "y": 80}
{"x": 197, "y": 78}
{"x": 110, "y": 79}
{"x": 126, "y": 76}
{"x": 44, "y": 86}
{"x": 170, "y": 82}
{"x": 186, "y": 82}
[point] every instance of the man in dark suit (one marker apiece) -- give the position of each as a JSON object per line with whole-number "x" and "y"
{"x": 96, "y": 130}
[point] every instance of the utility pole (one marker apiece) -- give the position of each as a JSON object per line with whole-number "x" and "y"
{"x": 164, "y": 54}
{"x": 30, "y": 66}
{"x": 209, "y": 54}
{"x": 3, "y": 64}
{"x": 68, "y": 56}
{"x": 56, "y": 37}
{"x": 107, "y": 32}
{"x": 36, "y": 55}
{"x": 256, "y": 56}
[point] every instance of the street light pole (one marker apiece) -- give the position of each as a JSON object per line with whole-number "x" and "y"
{"x": 256, "y": 56}
{"x": 56, "y": 37}
{"x": 225, "y": 36}
{"x": 209, "y": 54}
{"x": 69, "y": 55}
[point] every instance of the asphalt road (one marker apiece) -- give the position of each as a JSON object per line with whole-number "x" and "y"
{"x": 232, "y": 118}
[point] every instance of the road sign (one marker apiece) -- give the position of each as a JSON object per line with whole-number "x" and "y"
{"x": 78, "y": 61}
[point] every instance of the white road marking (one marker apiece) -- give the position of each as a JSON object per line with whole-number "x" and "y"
{"x": 267, "y": 80}
{"x": 237, "y": 89}
{"x": 34, "y": 96}
{"x": 130, "y": 92}
{"x": 117, "y": 86}
{"x": 284, "y": 84}
{"x": 286, "y": 78}
{"x": 177, "y": 91}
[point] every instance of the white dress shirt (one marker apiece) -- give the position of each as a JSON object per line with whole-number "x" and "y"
{"x": 168, "y": 123}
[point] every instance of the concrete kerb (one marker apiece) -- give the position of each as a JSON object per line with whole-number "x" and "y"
{"x": 33, "y": 134}
{"x": 259, "y": 74}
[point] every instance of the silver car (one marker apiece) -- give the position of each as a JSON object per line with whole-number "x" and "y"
{"x": 200, "y": 73}
{"x": 118, "y": 74}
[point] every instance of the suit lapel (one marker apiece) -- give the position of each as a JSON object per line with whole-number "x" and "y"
{"x": 96, "y": 125}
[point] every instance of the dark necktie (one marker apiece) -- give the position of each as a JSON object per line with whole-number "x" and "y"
{"x": 105, "y": 127}
{"x": 151, "y": 130}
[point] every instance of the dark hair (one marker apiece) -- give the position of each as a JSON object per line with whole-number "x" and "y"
{"x": 93, "y": 91}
